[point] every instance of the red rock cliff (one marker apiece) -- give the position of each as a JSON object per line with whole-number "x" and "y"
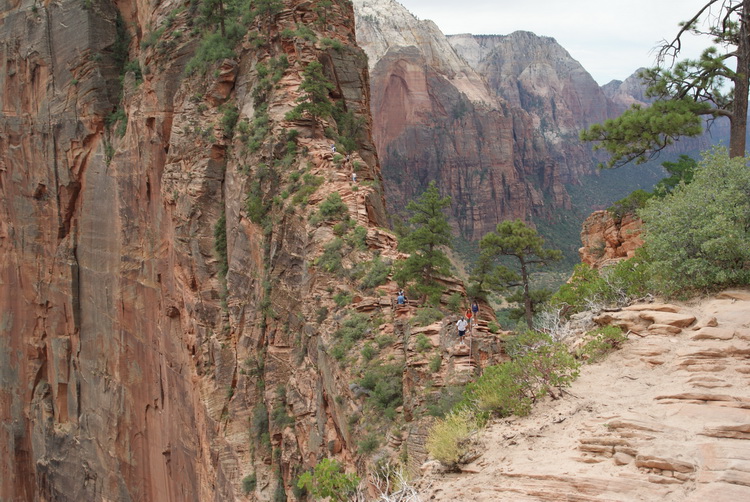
{"x": 123, "y": 355}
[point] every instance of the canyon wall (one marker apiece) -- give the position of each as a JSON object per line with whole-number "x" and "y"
{"x": 123, "y": 346}
{"x": 494, "y": 119}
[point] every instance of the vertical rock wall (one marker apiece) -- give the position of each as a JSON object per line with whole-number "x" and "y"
{"x": 124, "y": 354}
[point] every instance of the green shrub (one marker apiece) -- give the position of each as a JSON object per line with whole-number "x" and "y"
{"x": 357, "y": 238}
{"x": 377, "y": 274}
{"x": 697, "y": 238}
{"x": 229, "y": 119}
{"x": 454, "y": 303}
{"x": 447, "y": 441}
{"x": 249, "y": 483}
{"x": 538, "y": 367}
{"x": 368, "y": 352}
{"x": 342, "y": 298}
{"x": 330, "y": 260}
{"x": 630, "y": 204}
{"x": 328, "y": 480}
{"x": 435, "y": 363}
{"x": 214, "y": 47}
{"x": 493, "y": 327}
{"x": 423, "y": 343}
{"x": 333, "y": 208}
{"x": 602, "y": 341}
{"x": 384, "y": 381}
{"x": 426, "y": 316}
{"x": 368, "y": 444}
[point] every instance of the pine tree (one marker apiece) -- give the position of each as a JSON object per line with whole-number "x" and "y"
{"x": 430, "y": 233}
{"x": 688, "y": 91}
{"x": 516, "y": 240}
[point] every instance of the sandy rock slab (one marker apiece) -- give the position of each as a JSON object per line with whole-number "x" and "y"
{"x": 666, "y": 418}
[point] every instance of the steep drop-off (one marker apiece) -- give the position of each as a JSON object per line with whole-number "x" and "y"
{"x": 168, "y": 312}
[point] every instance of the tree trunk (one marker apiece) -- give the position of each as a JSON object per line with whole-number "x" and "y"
{"x": 738, "y": 122}
{"x": 526, "y": 296}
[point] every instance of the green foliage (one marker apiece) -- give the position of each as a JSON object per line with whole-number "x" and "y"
{"x": 310, "y": 184}
{"x": 368, "y": 352}
{"x": 538, "y": 367}
{"x": 525, "y": 247}
{"x": 423, "y": 343}
{"x": 229, "y": 119}
{"x": 330, "y": 260}
{"x": 368, "y": 444}
{"x": 213, "y": 47}
{"x": 358, "y": 238}
{"x": 352, "y": 329}
{"x": 259, "y": 422}
{"x": 426, "y": 316}
{"x": 315, "y": 89}
{"x": 681, "y": 171}
{"x": 435, "y": 363}
{"x": 493, "y": 327}
{"x": 454, "y": 302}
{"x": 119, "y": 119}
{"x": 447, "y": 441}
{"x": 279, "y": 417}
{"x": 384, "y": 381}
{"x": 640, "y": 132}
{"x": 601, "y": 342}
{"x": 377, "y": 274}
{"x": 430, "y": 232}
{"x": 630, "y": 204}
{"x": 342, "y": 298}
{"x": 328, "y": 480}
{"x": 249, "y": 483}
{"x": 697, "y": 238}
{"x": 333, "y": 208}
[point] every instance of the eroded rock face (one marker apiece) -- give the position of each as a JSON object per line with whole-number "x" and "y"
{"x": 124, "y": 369}
{"x": 607, "y": 239}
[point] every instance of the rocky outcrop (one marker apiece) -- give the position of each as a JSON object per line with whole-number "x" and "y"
{"x": 665, "y": 417}
{"x": 607, "y": 239}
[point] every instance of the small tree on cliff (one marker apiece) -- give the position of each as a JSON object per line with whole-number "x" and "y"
{"x": 315, "y": 98}
{"x": 328, "y": 480}
{"x": 430, "y": 232}
{"x": 688, "y": 90}
{"x": 516, "y": 240}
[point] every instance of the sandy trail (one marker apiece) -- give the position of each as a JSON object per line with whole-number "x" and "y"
{"x": 665, "y": 418}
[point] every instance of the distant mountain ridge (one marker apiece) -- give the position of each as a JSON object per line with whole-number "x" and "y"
{"x": 493, "y": 118}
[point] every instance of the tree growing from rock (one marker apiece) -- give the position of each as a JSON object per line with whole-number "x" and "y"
{"x": 430, "y": 232}
{"x": 328, "y": 480}
{"x": 522, "y": 244}
{"x": 687, "y": 91}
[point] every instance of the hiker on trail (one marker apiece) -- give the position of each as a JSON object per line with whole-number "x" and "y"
{"x": 354, "y": 177}
{"x": 468, "y": 316}
{"x": 401, "y": 298}
{"x": 333, "y": 147}
{"x": 461, "y": 325}
{"x": 475, "y": 310}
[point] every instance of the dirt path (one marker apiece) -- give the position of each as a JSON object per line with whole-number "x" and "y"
{"x": 666, "y": 418}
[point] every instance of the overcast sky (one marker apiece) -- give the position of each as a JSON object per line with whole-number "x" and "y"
{"x": 610, "y": 38}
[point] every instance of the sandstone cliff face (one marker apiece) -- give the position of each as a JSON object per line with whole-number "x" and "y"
{"x": 607, "y": 239}
{"x": 121, "y": 353}
{"x": 171, "y": 290}
{"x": 436, "y": 119}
